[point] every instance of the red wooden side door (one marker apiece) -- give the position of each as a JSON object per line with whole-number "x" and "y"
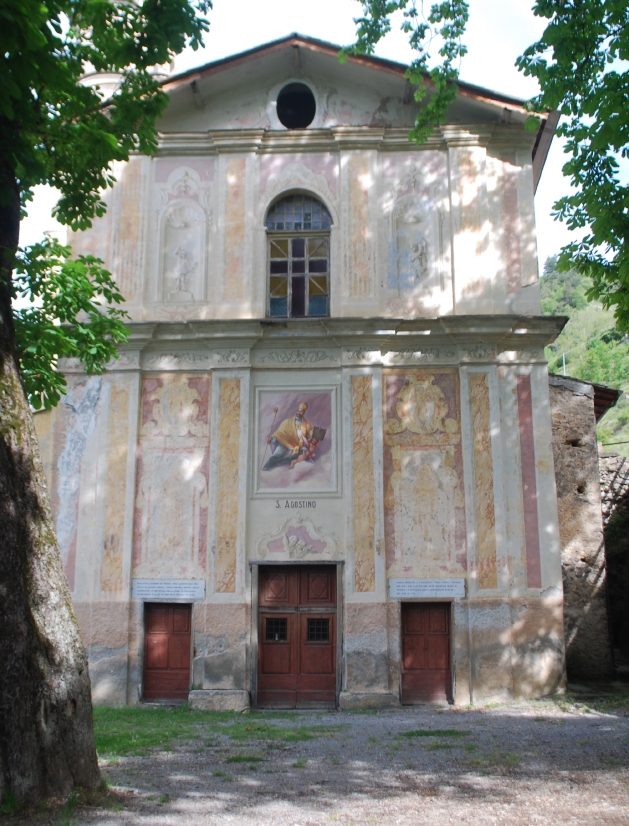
{"x": 426, "y": 671}
{"x": 166, "y": 651}
{"x": 297, "y": 637}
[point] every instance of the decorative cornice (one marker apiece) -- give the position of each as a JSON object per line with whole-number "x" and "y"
{"x": 237, "y": 140}
{"x": 338, "y": 138}
{"x": 177, "y": 360}
{"x": 509, "y": 332}
{"x": 185, "y": 143}
{"x": 298, "y": 356}
{"x": 303, "y": 140}
{"x": 358, "y": 137}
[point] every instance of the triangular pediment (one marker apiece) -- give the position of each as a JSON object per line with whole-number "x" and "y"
{"x": 239, "y": 92}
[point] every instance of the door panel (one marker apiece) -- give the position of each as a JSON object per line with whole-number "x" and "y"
{"x": 166, "y": 652}
{"x": 297, "y": 645}
{"x": 426, "y": 671}
{"x": 157, "y": 650}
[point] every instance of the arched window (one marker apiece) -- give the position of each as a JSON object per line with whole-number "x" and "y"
{"x": 298, "y": 229}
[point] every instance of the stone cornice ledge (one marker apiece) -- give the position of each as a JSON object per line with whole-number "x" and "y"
{"x": 381, "y": 332}
{"x": 339, "y": 138}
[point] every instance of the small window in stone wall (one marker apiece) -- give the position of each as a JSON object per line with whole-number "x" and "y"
{"x": 299, "y": 258}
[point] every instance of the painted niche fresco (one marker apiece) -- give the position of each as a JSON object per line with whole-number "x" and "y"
{"x": 170, "y": 531}
{"x": 298, "y": 538}
{"x": 423, "y": 474}
{"x": 296, "y": 442}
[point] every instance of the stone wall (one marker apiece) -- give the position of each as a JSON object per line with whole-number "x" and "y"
{"x": 588, "y": 653}
{"x": 614, "y": 472}
{"x": 615, "y": 502}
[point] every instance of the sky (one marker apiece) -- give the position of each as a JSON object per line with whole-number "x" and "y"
{"x": 498, "y": 31}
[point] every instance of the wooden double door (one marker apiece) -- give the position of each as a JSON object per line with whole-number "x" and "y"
{"x": 297, "y": 637}
{"x": 426, "y": 669}
{"x": 167, "y": 651}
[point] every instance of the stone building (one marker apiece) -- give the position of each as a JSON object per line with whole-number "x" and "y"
{"x": 576, "y": 407}
{"x": 321, "y": 471}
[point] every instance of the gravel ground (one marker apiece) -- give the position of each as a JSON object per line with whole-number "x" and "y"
{"x": 524, "y": 764}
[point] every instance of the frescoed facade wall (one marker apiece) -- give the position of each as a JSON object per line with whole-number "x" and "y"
{"x": 404, "y": 437}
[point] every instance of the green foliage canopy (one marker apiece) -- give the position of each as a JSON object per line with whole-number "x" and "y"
{"x": 580, "y": 65}
{"x": 440, "y": 30}
{"x": 68, "y": 311}
{"x": 55, "y": 130}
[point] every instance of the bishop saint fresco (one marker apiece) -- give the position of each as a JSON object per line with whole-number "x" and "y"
{"x": 293, "y": 441}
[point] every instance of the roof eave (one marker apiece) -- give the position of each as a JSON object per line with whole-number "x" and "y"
{"x": 399, "y": 69}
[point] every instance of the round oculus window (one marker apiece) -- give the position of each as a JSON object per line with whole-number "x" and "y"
{"x": 296, "y": 106}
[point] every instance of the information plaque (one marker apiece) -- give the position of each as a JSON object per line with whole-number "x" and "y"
{"x": 426, "y": 588}
{"x": 168, "y": 590}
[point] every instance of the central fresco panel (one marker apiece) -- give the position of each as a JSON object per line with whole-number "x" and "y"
{"x": 296, "y": 442}
{"x": 424, "y": 505}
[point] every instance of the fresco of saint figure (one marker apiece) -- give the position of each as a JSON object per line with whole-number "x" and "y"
{"x": 295, "y": 441}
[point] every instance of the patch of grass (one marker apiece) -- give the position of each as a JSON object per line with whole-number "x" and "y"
{"x": 437, "y": 732}
{"x": 8, "y": 804}
{"x": 267, "y": 731}
{"x": 612, "y": 761}
{"x": 68, "y": 809}
{"x": 299, "y": 764}
{"x": 439, "y": 745}
{"x": 244, "y": 758}
{"x": 510, "y": 758}
{"x": 470, "y": 747}
{"x": 165, "y": 798}
{"x": 135, "y": 730}
{"x": 497, "y": 760}
{"x": 373, "y": 739}
{"x": 574, "y": 701}
{"x": 335, "y": 761}
{"x": 222, "y": 775}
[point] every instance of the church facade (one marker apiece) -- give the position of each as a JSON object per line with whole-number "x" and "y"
{"x": 320, "y": 474}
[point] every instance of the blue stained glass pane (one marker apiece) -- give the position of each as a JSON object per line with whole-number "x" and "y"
{"x": 318, "y": 305}
{"x": 278, "y": 307}
{"x": 296, "y": 211}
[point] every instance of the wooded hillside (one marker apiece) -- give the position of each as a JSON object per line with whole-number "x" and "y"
{"x": 593, "y": 348}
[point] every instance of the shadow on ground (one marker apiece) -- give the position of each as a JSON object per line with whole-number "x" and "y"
{"x": 566, "y": 758}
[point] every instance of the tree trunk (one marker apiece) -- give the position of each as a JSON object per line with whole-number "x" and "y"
{"x": 46, "y": 733}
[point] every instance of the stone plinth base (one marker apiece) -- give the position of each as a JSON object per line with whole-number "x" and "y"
{"x": 351, "y": 701}
{"x": 219, "y": 700}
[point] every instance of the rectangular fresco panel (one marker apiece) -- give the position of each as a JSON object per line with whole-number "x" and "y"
{"x": 424, "y": 503}
{"x": 483, "y": 482}
{"x": 75, "y": 425}
{"x": 529, "y": 483}
{"x": 170, "y": 529}
{"x": 296, "y": 442}
{"x": 363, "y": 478}
{"x": 117, "y": 448}
{"x": 228, "y": 465}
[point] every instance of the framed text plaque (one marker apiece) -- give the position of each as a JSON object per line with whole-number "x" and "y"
{"x": 426, "y": 588}
{"x": 168, "y": 590}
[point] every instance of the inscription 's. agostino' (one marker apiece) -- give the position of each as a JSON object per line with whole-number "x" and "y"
{"x": 296, "y": 503}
